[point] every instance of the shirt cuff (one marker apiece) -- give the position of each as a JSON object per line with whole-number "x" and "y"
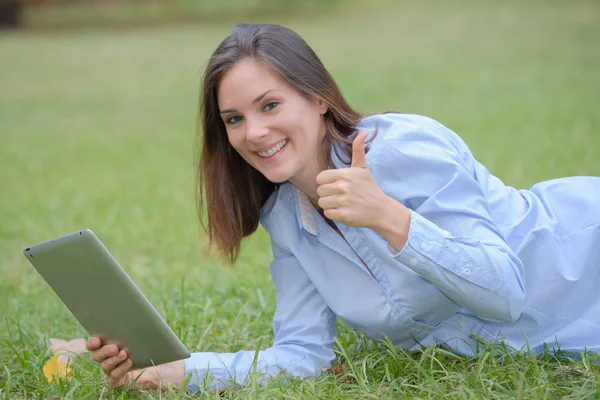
{"x": 195, "y": 382}
{"x": 425, "y": 241}
{"x": 200, "y": 367}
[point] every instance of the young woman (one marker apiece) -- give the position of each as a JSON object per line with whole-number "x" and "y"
{"x": 384, "y": 221}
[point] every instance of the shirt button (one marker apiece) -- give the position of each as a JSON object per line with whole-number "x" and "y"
{"x": 462, "y": 323}
{"x": 413, "y": 261}
{"x": 467, "y": 271}
{"x": 423, "y": 245}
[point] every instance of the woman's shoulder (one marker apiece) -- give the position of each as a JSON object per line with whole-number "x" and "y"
{"x": 412, "y": 135}
{"x": 413, "y": 156}
{"x": 405, "y": 127}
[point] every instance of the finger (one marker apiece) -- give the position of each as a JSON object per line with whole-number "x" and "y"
{"x": 104, "y": 352}
{"x": 359, "y": 158}
{"x": 335, "y": 214}
{"x": 93, "y": 343}
{"x": 329, "y": 189}
{"x": 109, "y": 364}
{"x": 329, "y": 202}
{"x": 120, "y": 376}
{"x": 330, "y": 176}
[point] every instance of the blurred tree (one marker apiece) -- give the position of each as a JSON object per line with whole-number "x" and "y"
{"x": 11, "y": 12}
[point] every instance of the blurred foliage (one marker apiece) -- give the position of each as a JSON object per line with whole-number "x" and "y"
{"x": 65, "y": 14}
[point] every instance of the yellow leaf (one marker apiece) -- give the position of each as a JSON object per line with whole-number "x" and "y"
{"x": 55, "y": 368}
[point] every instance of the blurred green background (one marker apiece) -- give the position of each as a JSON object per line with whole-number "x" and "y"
{"x": 98, "y": 111}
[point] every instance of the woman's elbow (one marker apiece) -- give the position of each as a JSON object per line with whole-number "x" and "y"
{"x": 507, "y": 309}
{"x": 516, "y": 304}
{"x": 322, "y": 361}
{"x": 515, "y": 295}
{"x": 313, "y": 360}
{"x": 511, "y": 294}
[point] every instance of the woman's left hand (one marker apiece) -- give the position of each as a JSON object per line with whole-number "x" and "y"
{"x": 116, "y": 364}
{"x": 351, "y": 195}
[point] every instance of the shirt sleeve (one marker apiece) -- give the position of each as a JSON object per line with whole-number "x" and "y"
{"x": 453, "y": 241}
{"x": 304, "y": 328}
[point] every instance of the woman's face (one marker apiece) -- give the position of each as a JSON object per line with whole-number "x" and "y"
{"x": 274, "y": 128}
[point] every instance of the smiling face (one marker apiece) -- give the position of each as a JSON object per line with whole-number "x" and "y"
{"x": 271, "y": 125}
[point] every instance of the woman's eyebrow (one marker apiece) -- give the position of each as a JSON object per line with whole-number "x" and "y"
{"x": 256, "y": 100}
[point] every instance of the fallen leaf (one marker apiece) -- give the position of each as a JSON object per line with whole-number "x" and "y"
{"x": 64, "y": 351}
{"x": 56, "y": 369}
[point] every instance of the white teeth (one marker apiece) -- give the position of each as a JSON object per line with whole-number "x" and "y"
{"x": 273, "y": 150}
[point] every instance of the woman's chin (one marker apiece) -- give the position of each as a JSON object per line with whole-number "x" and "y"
{"x": 277, "y": 180}
{"x": 277, "y": 177}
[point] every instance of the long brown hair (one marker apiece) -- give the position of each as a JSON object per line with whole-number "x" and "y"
{"x": 235, "y": 191}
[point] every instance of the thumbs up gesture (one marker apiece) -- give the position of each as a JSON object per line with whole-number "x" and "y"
{"x": 351, "y": 195}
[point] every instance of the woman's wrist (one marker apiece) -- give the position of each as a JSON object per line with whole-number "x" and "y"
{"x": 170, "y": 374}
{"x": 393, "y": 223}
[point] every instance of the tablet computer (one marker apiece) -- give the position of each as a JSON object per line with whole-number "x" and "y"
{"x": 104, "y": 299}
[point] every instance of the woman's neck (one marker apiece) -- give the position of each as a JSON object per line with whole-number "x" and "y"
{"x": 307, "y": 184}
{"x": 306, "y": 181}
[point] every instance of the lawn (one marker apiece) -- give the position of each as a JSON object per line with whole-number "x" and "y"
{"x": 97, "y": 131}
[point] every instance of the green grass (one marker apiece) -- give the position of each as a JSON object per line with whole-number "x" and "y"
{"x": 97, "y": 128}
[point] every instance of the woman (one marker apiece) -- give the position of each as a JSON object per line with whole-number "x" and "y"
{"x": 410, "y": 238}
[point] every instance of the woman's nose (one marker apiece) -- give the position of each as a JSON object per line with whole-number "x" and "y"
{"x": 255, "y": 131}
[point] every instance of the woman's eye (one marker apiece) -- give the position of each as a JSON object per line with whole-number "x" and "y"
{"x": 234, "y": 120}
{"x": 270, "y": 106}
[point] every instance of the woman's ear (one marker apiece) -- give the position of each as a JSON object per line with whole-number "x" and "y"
{"x": 322, "y": 107}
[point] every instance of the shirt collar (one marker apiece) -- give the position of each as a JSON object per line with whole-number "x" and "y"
{"x": 305, "y": 211}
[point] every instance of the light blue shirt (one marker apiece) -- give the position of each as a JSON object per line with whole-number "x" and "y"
{"x": 482, "y": 258}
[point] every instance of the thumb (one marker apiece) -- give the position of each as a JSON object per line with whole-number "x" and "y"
{"x": 359, "y": 158}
